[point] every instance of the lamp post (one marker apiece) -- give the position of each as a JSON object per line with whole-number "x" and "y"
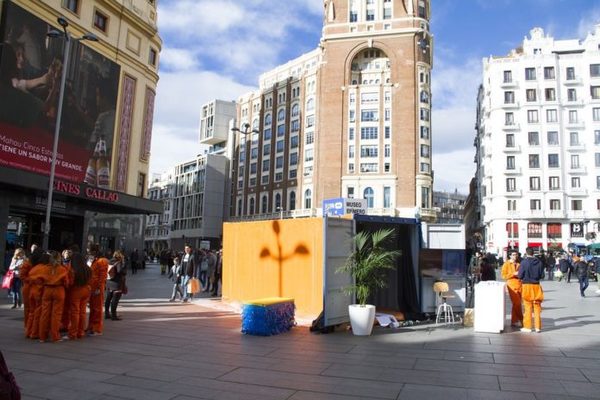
{"x": 55, "y": 33}
{"x": 245, "y": 131}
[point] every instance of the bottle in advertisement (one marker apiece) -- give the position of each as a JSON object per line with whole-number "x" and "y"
{"x": 102, "y": 165}
{"x": 91, "y": 174}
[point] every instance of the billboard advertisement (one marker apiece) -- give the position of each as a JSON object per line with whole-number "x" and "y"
{"x": 30, "y": 74}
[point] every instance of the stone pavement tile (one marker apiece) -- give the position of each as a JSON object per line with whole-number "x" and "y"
{"x": 60, "y": 393}
{"x": 139, "y": 393}
{"x": 558, "y": 373}
{"x": 39, "y": 363}
{"x": 315, "y": 383}
{"x": 495, "y": 348}
{"x": 582, "y": 353}
{"x": 531, "y": 385}
{"x": 550, "y": 396}
{"x": 391, "y": 375}
{"x": 428, "y": 392}
{"x": 212, "y": 389}
{"x": 299, "y": 366}
{"x": 470, "y": 367}
{"x": 302, "y": 395}
{"x": 86, "y": 374}
{"x": 589, "y": 390}
{"x": 229, "y": 359}
{"x": 468, "y": 356}
{"x": 592, "y": 374}
{"x": 136, "y": 382}
{"x": 545, "y": 361}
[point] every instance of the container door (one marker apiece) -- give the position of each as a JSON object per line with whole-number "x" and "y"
{"x": 337, "y": 245}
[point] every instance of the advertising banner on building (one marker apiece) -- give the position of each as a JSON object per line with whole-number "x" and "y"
{"x": 30, "y": 74}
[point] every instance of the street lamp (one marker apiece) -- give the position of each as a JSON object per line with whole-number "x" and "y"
{"x": 280, "y": 210}
{"x": 66, "y": 36}
{"x": 245, "y": 131}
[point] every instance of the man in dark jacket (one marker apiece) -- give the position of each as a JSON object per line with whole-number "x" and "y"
{"x": 188, "y": 268}
{"x": 582, "y": 271}
{"x": 530, "y": 273}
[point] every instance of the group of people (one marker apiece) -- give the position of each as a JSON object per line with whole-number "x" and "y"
{"x": 204, "y": 265}
{"x": 55, "y": 290}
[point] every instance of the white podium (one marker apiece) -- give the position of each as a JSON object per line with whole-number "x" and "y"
{"x": 489, "y": 307}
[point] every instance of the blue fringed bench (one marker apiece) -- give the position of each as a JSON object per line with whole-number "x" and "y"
{"x": 268, "y": 316}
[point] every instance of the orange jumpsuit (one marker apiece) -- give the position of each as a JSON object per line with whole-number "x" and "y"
{"x": 55, "y": 281}
{"x": 23, "y": 274}
{"x": 533, "y": 295}
{"x": 97, "y": 286}
{"x": 513, "y": 284}
{"x": 79, "y": 295}
{"x": 36, "y": 288}
{"x": 66, "y": 315}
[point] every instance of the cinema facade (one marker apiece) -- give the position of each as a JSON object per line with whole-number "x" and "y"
{"x": 106, "y": 125}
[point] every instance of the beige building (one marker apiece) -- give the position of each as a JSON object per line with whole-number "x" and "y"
{"x": 348, "y": 119}
{"x": 106, "y": 126}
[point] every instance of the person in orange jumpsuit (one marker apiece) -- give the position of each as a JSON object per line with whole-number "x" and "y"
{"x": 33, "y": 290}
{"x": 510, "y": 271}
{"x": 55, "y": 278}
{"x": 79, "y": 295}
{"x": 65, "y": 320}
{"x": 531, "y": 272}
{"x": 99, "y": 266}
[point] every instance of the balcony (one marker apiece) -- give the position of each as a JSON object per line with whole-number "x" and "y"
{"x": 510, "y": 84}
{"x": 513, "y": 105}
{"x": 536, "y": 214}
{"x": 511, "y": 126}
{"x": 554, "y": 214}
{"x": 514, "y": 193}
{"x": 575, "y": 81}
{"x": 575, "y": 103}
{"x": 512, "y": 149}
{"x": 575, "y": 124}
{"x": 577, "y": 192}
{"x": 576, "y": 147}
{"x": 577, "y": 169}
{"x": 512, "y": 171}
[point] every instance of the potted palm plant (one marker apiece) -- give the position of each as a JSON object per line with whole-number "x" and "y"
{"x": 367, "y": 265}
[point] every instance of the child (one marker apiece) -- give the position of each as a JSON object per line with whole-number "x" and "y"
{"x": 175, "y": 275}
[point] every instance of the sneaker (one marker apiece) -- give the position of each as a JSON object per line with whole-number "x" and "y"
{"x": 525, "y": 330}
{"x": 116, "y": 318}
{"x": 538, "y": 330}
{"x": 171, "y": 300}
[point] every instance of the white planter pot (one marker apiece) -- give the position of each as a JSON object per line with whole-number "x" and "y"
{"x": 361, "y": 319}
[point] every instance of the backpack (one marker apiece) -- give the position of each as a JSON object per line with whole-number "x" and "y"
{"x": 9, "y": 390}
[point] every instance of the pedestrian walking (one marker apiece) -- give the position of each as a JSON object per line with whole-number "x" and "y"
{"x": 582, "y": 271}
{"x": 176, "y": 275}
{"x": 532, "y": 295}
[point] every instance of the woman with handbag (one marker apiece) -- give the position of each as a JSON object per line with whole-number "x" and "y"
{"x": 115, "y": 284}
{"x": 15, "y": 269}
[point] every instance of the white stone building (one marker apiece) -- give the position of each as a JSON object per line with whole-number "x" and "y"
{"x": 538, "y": 144}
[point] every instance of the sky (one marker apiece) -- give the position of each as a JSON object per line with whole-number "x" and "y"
{"x": 216, "y": 49}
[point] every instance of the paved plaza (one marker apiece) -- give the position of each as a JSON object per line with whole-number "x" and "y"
{"x": 162, "y": 350}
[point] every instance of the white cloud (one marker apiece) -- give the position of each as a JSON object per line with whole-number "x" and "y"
{"x": 454, "y": 170}
{"x": 588, "y": 22}
{"x": 178, "y": 59}
{"x": 169, "y": 148}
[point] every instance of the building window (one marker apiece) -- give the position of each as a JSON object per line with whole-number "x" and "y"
{"x": 570, "y": 73}
{"x": 268, "y": 119}
{"x": 549, "y": 73}
{"x": 595, "y": 70}
{"x": 597, "y": 137}
{"x": 280, "y": 130}
{"x": 551, "y": 116}
{"x": 571, "y": 95}
{"x": 264, "y": 203}
{"x": 388, "y": 132}
{"x": 424, "y": 132}
{"x": 596, "y": 114}
{"x": 266, "y": 149}
{"x": 295, "y": 110}
{"x": 425, "y": 197}
{"x": 534, "y": 183}
{"x": 71, "y": 5}
{"x": 554, "y": 183}
{"x": 509, "y": 118}
{"x": 509, "y": 97}
{"x": 292, "y": 200}
{"x": 350, "y": 133}
{"x": 101, "y": 21}
{"x": 533, "y": 138}
{"x": 424, "y": 151}
{"x": 351, "y": 151}
{"x": 152, "y": 56}
{"x": 550, "y": 94}
{"x": 295, "y": 126}
{"x": 553, "y": 161}
{"x": 293, "y": 173}
{"x": 279, "y": 162}
{"x": 554, "y": 230}
{"x": 424, "y": 114}
{"x": 294, "y": 142}
{"x": 294, "y": 159}
{"x": 511, "y": 205}
{"x": 369, "y": 196}
{"x": 371, "y": 151}
{"x": 507, "y": 76}
{"x": 573, "y": 117}
{"x": 534, "y": 161}
{"x": 267, "y": 134}
{"x": 532, "y": 116}
{"x": 368, "y": 132}
{"x": 535, "y": 204}
{"x": 251, "y": 208}
{"x": 141, "y": 185}
{"x": 310, "y": 121}
{"x": 369, "y": 115}
{"x": 574, "y": 138}
{"x": 511, "y": 185}
{"x": 597, "y": 159}
{"x": 575, "y": 182}
{"x": 265, "y": 165}
{"x": 510, "y": 162}
{"x": 598, "y": 182}
{"x": 387, "y": 151}
{"x": 595, "y": 92}
{"x": 553, "y": 138}
{"x": 510, "y": 140}
{"x": 308, "y": 155}
{"x": 310, "y": 137}
{"x": 530, "y": 95}
{"x": 576, "y": 205}
{"x": 534, "y": 229}
{"x": 425, "y": 168}
{"x": 554, "y": 205}
{"x": 307, "y": 198}
{"x": 529, "y": 74}
{"x": 387, "y": 192}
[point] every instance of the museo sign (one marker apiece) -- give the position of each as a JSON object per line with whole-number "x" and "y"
{"x": 341, "y": 206}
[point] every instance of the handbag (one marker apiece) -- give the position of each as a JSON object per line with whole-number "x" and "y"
{"x": 193, "y": 285}
{"x": 8, "y": 279}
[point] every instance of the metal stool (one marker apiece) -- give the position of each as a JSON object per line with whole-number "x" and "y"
{"x": 444, "y": 310}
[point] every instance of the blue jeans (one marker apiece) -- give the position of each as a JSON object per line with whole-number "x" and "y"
{"x": 16, "y": 291}
{"x": 583, "y": 284}
{"x": 184, "y": 281}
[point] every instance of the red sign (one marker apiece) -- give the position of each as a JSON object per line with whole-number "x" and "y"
{"x": 86, "y": 191}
